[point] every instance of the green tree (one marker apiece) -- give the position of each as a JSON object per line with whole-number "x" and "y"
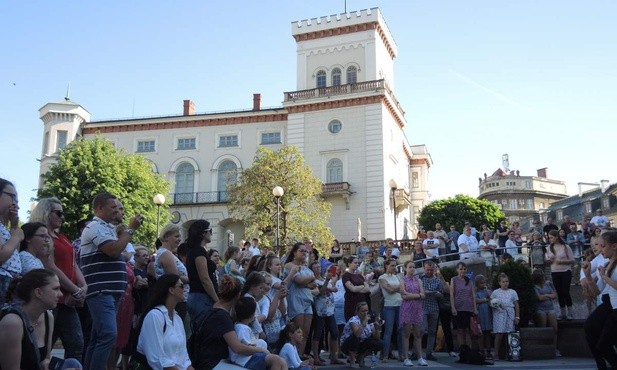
{"x": 87, "y": 167}
{"x": 457, "y": 210}
{"x": 304, "y": 213}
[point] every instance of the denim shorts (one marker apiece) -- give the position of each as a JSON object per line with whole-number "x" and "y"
{"x": 256, "y": 362}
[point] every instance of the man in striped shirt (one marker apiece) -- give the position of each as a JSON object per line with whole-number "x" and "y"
{"x": 104, "y": 269}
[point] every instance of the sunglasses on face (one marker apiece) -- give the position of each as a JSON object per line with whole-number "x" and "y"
{"x": 58, "y": 213}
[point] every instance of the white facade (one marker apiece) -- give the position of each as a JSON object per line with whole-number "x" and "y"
{"x": 348, "y": 126}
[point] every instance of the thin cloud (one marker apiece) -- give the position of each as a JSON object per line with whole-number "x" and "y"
{"x": 498, "y": 95}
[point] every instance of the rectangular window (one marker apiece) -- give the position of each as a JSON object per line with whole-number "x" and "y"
{"x": 270, "y": 138}
{"x": 61, "y": 139}
{"x": 227, "y": 141}
{"x": 529, "y": 203}
{"x": 46, "y": 144}
{"x": 186, "y": 144}
{"x": 528, "y": 184}
{"x": 415, "y": 181}
{"x": 605, "y": 203}
{"x": 145, "y": 146}
{"x": 513, "y": 204}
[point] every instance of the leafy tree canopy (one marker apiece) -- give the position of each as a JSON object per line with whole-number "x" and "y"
{"x": 87, "y": 167}
{"x": 457, "y": 210}
{"x": 304, "y": 213}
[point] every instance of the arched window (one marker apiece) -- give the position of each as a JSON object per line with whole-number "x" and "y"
{"x": 334, "y": 171}
{"x": 185, "y": 178}
{"x": 321, "y": 79}
{"x": 336, "y": 77}
{"x": 352, "y": 75}
{"x": 227, "y": 175}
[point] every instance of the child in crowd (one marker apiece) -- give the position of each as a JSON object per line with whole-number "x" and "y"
{"x": 506, "y": 312}
{"x": 233, "y": 256}
{"x": 589, "y": 294}
{"x": 485, "y": 314}
{"x": 245, "y": 315}
{"x": 291, "y": 338}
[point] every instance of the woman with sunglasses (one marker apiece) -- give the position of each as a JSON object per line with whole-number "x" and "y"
{"x": 162, "y": 340}
{"x": 201, "y": 270}
{"x": 35, "y": 246}
{"x": 62, "y": 262}
{"x": 10, "y": 264}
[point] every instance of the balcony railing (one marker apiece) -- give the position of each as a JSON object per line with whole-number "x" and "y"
{"x": 336, "y": 188}
{"x": 201, "y": 197}
{"x": 335, "y": 90}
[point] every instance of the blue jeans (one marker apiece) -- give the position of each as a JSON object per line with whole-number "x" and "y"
{"x": 390, "y": 316}
{"x": 68, "y": 329}
{"x": 198, "y": 305}
{"x": 103, "y": 308}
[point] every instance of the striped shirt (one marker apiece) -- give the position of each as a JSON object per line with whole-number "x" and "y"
{"x": 103, "y": 274}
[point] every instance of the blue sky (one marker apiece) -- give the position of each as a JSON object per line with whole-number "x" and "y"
{"x": 534, "y": 79}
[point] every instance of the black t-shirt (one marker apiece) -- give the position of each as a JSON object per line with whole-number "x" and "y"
{"x": 502, "y": 238}
{"x": 194, "y": 281}
{"x": 212, "y": 346}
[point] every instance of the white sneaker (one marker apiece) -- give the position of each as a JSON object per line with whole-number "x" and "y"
{"x": 407, "y": 362}
{"x": 453, "y": 354}
{"x": 422, "y": 362}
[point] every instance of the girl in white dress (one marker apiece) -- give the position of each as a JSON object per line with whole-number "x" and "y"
{"x": 505, "y": 313}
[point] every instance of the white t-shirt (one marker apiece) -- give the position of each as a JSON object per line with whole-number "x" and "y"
{"x": 431, "y": 246}
{"x": 254, "y": 251}
{"x": 470, "y": 242}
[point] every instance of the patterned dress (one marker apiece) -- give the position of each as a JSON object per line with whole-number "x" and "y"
{"x": 503, "y": 317}
{"x": 411, "y": 310}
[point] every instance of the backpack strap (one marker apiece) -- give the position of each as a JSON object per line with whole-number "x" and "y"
{"x": 164, "y": 319}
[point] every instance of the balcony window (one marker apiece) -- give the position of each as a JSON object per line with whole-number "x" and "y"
{"x": 227, "y": 141}
{"x": 513, "y": 204}
{"x": 186, "y": 144}
{"x": 145, "y": 146}
{"x": 352, "y": 75}
{"x": 61, "y": 139}
{"x": 336, "y": 77}
{"x": 268, "y": 138}
{"x": 227, "y": 175}
{"x": 415, "y": 180}
{"x": 321, "y": 79}
{"x": 185, "y": 177}
{"x": 334, "y": 170}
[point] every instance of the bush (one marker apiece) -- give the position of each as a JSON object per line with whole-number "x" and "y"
{"x": 520, "y": 280}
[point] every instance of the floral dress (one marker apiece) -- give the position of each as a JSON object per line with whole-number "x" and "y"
{"x": 411, "y": 310}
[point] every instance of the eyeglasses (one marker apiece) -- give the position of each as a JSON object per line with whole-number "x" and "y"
{"x": 58, "y": 212}
{"x": 43, "y": 236}
{"x": 12, "y": 195}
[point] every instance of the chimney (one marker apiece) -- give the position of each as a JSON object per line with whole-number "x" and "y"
{"x": 603, "y": 185}
{"x": 189, "y": 108}
{"x": 256, "y": 102}
{"x": 542, "y": 172}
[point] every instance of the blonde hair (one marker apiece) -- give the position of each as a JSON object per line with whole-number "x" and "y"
{"x": 43, "y": 209}
{"x": 168, "y": 230}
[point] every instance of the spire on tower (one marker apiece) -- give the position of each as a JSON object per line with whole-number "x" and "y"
{"x": 68, "y": 93}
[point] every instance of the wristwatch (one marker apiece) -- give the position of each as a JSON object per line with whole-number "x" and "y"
{"x": 130, "y": 231}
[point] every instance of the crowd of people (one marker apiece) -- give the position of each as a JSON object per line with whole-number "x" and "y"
{"x": 114, "y": 304}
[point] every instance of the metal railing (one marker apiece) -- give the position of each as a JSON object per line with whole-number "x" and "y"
{"x": 206, "y": 197}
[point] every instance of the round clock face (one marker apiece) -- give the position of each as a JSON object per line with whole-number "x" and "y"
{"x": 175, "y": 217}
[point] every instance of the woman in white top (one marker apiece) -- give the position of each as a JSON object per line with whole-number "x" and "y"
{"x": 162, "y": 340}
{"x": 10, "y": 264}
{"x": 390, "y": 288}
{"x": 487, "y": 248}
{"x": 35, "y": 246}
{"x": 166, "y": 262}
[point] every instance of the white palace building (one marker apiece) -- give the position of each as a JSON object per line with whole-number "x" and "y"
{"x": 343, "y": 116}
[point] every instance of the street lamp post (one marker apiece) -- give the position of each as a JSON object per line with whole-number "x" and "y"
{"x": 393, "y": 186}
{"x": 159, "y": 200}
{"x": 278, "y": 192}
